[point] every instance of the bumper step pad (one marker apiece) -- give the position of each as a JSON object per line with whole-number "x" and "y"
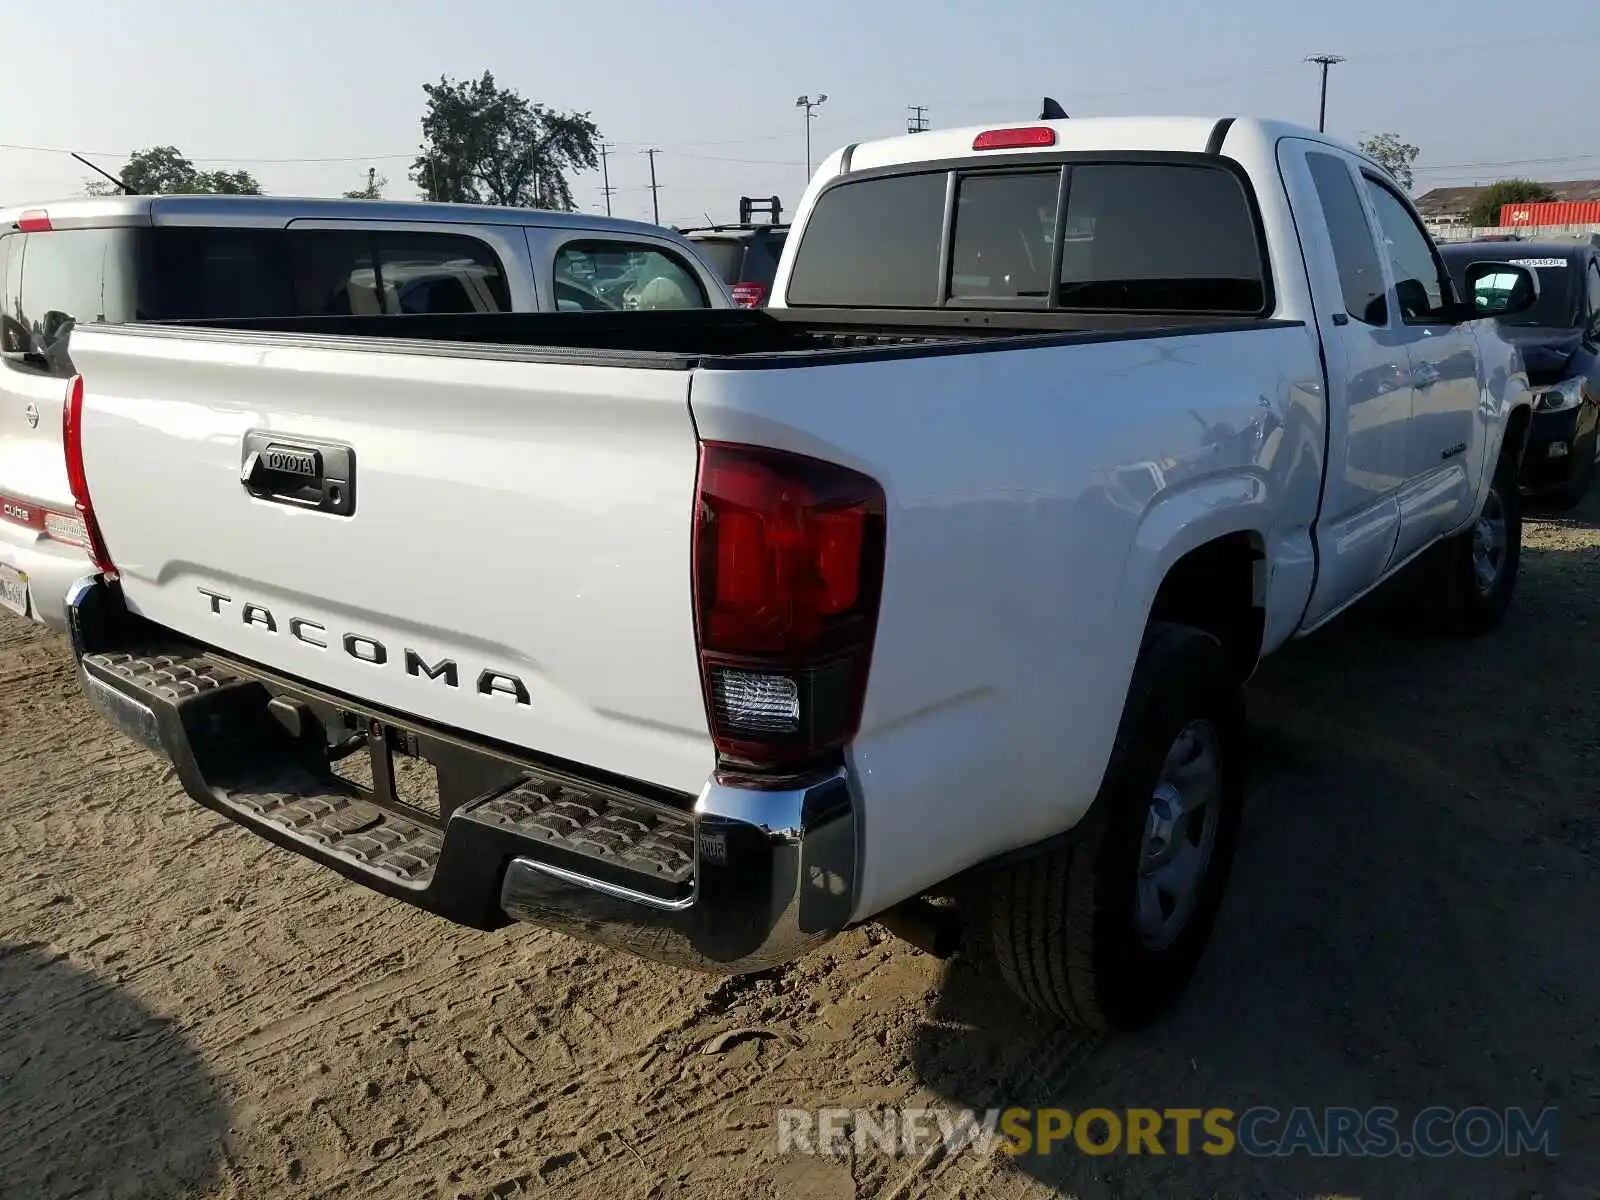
{"x": 626, "y": 837}
{"x": 349, "y": 827}
{"x": 173, "y": 676}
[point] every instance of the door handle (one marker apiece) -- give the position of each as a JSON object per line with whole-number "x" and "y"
{"x": 1424, "y": 376}
{"x": 300, "y": 472}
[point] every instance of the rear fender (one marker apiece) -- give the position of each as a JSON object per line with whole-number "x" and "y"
{"x": 1180, "y": 521}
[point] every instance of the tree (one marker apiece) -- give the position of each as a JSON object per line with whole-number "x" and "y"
{"x": 484, "y": 144}
{"x": 162, "y": 170}
{"x": 1486, "y": 208}
{"x": 374, "y": 189}
{"x": 1393, "y": 155}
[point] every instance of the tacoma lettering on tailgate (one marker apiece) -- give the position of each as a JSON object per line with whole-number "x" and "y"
{"x": 369, "y": 650}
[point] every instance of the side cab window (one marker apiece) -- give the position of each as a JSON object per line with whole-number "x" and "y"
{"x": 604, "y": 275}
{"x": 1423, "y": 292}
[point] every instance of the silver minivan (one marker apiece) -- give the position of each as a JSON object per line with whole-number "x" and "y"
{"x": 151, "y": 258}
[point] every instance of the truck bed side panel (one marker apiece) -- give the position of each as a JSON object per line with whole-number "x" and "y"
{"x": 1036, "y": 499}
{"x": 528, "y": 524}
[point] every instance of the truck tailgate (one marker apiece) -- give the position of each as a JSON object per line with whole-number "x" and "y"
{"x": 514, "y": 561}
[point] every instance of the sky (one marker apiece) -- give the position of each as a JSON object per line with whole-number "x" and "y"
{"x": 308, "y": 95}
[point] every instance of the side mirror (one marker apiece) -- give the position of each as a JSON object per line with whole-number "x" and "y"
{"x": 1499, "y": 289}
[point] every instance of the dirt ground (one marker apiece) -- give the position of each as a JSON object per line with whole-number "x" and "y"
{"x": 1413, "y": 920}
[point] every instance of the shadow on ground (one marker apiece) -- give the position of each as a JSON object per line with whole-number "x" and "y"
{"x": 98, "y": 1097}
{"x": 1411, "y": 920}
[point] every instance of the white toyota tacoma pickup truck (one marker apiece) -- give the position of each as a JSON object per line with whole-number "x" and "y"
{"x": 725, "y": 631}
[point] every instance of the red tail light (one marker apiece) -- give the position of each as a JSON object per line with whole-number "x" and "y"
{"x": 749, "y": 295}
{"x": 788, "y": 573}
{"x": 77, "y": 480}
{"x": 1015, "y": 139}
{"x": 34, "y": 221}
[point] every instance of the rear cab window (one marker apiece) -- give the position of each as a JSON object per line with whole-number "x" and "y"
{"x": 1080, "y": 236}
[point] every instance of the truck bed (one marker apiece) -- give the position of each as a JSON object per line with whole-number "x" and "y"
{"x": 721, "y": 338}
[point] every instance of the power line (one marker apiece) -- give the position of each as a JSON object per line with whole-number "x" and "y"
{"x": 343, "y": 158}
{"x": 767, "y": 137}
{"x": 1232, "y": 77}
{"x": 1508, "y": 162}
{"x": 765, "y": 162}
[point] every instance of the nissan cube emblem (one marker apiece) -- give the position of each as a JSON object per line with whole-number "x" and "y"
{"x": 32, "y": 413}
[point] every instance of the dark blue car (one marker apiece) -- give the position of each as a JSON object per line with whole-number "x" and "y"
{"x": 1560, "y": 342}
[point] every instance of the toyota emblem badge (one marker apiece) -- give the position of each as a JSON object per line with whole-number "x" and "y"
{"x": 32, "y": 413}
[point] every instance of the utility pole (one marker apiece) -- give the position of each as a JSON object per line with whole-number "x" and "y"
{"x": 1324, "y": 61}
{"x": 918, "y": 122}
{"x": 655, "y": 197}
{"x": 605, "y": 175}
{"x": 811, "y": 106}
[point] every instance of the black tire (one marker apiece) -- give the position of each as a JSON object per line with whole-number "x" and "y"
{"x": 1570, "y": 494}
{"x": 1452, "y": 596}
{"x": 1062, "y": 923}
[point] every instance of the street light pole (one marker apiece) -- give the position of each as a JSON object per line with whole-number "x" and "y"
{"x": 811, "y": 106}
{"x": 1324, "y": 61}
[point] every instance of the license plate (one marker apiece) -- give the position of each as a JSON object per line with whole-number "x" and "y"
{"x": 14, "y": 590}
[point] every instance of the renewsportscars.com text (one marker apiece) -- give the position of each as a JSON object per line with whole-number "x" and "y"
{"x": 1259, "y": 1131}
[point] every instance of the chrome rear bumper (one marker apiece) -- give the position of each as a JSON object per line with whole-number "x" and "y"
{"x": 773, "y": 877}
{"x": 740, "y": 881}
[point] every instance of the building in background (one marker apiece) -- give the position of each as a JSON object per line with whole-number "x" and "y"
{"x": 1449, "y": 205}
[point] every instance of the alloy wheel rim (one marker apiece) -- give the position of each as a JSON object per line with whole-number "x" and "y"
{"x": 1489, "y": 543}
{"x": 1180, "y": 835}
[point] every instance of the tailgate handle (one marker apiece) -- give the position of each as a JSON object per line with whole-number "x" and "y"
{"x": 300, "y": 472}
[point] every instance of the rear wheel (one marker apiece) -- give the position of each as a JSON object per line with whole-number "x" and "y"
{"x": 1106, "y": 930}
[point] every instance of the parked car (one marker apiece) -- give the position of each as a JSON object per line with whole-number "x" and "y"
{"x": 1560, "y": 342}
{"x": 726, "y": 631}
{"x": 146, "y": 258}
{"x": 746, "y": 256}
